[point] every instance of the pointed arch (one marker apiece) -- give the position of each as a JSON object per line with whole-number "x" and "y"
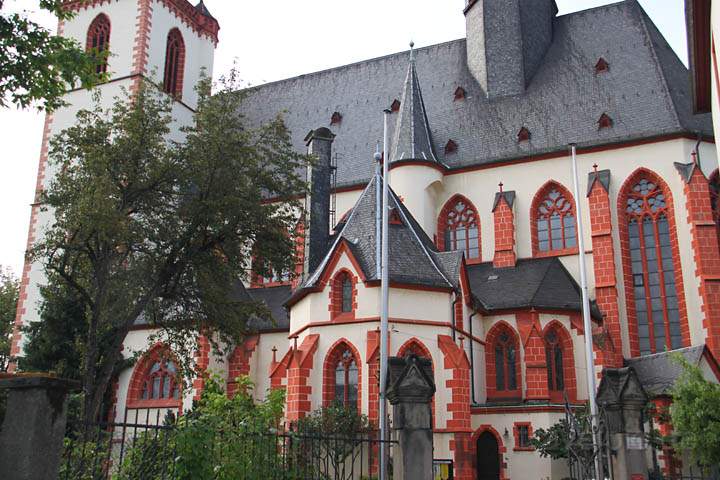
{"x": 502, "y": 362}
{"x": 459, "y": 228}
{"x": 714, "y": 182}
{"x": 553, "y": 224}
{"x": 560, "y": 358}
{"x": 415, "y": 346}
{"x": 174, "y": 64}
{"x": 343, "y": 295}
{"x": 155, "y": 382}
{"x": 342, "y": 375}
{"x": 502, "y": 449}
{"x": 98, "y": 40}
{"x": 654, "y": 291}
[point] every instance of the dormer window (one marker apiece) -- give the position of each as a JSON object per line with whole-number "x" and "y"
{"x": 523, "y": 135}
{"x": 605, "y": 121}
{"x": 459, "y": 94}
{"x": 450, "y": 147}
{"x": 336, "y": 118}
{"x": 602, "y": 66}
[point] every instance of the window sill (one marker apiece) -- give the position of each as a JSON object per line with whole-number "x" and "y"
{"x": 523, "y": 449}
{"x": 557, "y": 253}
{"x": 343, "y": 317}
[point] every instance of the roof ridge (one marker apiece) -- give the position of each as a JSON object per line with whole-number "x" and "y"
{"x": 541, "y": 282}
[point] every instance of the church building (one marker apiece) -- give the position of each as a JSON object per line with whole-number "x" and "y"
{"x": 483, "y": 237}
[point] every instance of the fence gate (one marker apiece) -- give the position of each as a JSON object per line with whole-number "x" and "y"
{"x": 581, "y": 450}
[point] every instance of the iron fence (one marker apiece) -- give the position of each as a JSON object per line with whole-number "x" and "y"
{"x": 169, "y": 448}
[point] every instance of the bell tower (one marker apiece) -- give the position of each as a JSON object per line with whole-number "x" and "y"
{"x": 168, "y": 41}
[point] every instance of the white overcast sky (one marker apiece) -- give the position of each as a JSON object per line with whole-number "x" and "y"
{"x": 272, "y": 41}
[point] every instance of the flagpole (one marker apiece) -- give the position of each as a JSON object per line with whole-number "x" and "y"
{"x": 589, "y": 354}
{"x": 385, "y": 294}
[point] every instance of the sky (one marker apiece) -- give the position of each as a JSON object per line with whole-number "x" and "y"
{"x": 271, "y": 41}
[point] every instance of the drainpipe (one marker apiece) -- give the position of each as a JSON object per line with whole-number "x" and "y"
{"x": 452, "y": 315}
{"x": 472, "y": 360}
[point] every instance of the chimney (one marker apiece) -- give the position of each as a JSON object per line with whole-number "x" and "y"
{"x": 506, "y": 42}
{"x": 317, "y": 202}
{"x": 504, "y": 220}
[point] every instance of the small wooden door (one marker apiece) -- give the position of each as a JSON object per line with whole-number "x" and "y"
{"x": 488, "y": 457}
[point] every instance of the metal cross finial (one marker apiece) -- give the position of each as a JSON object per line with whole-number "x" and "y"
{"x": 295, "y": 339}
{"x": 378, "y": 155}
{"x": 501, "y": 187}
{"x": 595, "y": 167}
{"x": 412, "y": 51}
{"x": 274, "y": 350}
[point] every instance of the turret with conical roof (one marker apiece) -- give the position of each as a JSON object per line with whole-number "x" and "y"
{"x": 416, "y": 170}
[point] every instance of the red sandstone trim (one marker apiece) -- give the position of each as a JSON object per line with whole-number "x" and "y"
{"x": 535, "y": 204}
{"x": 443, "y": 221}
{"x": 501, "y": 448}
{"x": 504, "y": 222}
{"x": 336, "y": 300}
{"x": 491, "y": 384}
{"x": 332, "y": 359}
{"x": 134, "y": 393}
{"x": 239, "y": 363}
{"x": 516, "y": 435}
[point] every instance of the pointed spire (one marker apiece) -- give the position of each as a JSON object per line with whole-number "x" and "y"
{"x": 200, "y": 7}
{"x": 412, "y": 139}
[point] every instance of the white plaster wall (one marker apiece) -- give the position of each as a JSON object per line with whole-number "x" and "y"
{"x": 262, "y": 358}
{"x": 123, "y": 20}
{"x": 418, "y": 186}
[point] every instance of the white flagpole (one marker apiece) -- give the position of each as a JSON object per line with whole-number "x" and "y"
{"x": 589, "y": 354}
{"x": 385, "y": 294}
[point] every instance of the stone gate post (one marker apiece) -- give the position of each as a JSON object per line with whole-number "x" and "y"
{"x": 32, "y": 433}
{"x": 623, "y": 401}
{"x": 410, "y": 389}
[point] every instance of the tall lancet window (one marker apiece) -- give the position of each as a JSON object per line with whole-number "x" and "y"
{"x": 98, "y": 41}
{"x": 654, "y": 289}
{"x": 174, "y": 64}
{"x": 459, "y": 228}
{"x": 341, "y": 376}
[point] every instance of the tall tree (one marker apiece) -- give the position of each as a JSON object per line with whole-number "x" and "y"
{"x": 37, "y": 67}
{"x": 9, "y": 291}
{"x": 151, "y": 230}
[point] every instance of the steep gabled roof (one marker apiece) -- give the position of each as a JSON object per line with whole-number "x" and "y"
{"x": 414, "y": 259}
{"x": 646, "y": 91}
{"x": 412, "y": 139}
{"x": 541, "y": 283}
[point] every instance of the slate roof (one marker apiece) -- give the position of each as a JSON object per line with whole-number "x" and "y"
{"x": 274, "y": 298}
{"x": 541, "y": 283}
{"x": 659, "y": 372}
{"x": 413, "y": 257}
{"x": 646, "y": 92}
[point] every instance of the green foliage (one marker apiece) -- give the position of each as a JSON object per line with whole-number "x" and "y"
{"x": 146, "y": 228}
{"x": 695, "y": 414}
{"x": 554, "y": 442}
{"x": 9, "y": 291}
{"x": 37, "y": 67}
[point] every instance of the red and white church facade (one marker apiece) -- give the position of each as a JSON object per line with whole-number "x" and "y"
{"x": 483, "y": 234}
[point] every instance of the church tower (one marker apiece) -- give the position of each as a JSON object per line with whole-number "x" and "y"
{"x": 168, "y": 41}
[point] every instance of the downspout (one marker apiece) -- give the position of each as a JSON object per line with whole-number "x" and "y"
{"x": 472, "y": 360}
{"x": 452, "y": 316}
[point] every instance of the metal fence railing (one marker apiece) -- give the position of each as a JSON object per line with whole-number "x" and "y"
{"x": 171, "y": 449}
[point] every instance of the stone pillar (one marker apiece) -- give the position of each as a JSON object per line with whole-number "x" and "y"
{"x": 32, "y": 434}
{"x": 705, "y": 248}
{"x": 606, "y": 293}
{"x": 299, "y": 390}
{"x": 504, "y": 220}
{"x": 623, "y": 400}
{"x": 410, "y": 389}
{"x": 536, "y": 378}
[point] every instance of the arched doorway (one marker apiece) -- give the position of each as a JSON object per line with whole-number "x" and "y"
{"x": 488, "y": 457}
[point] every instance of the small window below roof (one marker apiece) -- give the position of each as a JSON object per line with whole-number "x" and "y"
{"x": 605, "y": 121}
{"x": 523, "y": 135}
{"x": 602, "y": 66}
{"x": 336, "y": 118}
{"x": 395, "y": 107}
{"x": 459, "y": 94}
{"x": 450, "y": 147}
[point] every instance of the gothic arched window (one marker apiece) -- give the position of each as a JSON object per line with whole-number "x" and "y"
{"x": 554, "y": 228}
{"x": 174, "y": 64}
{"x": 714, "y": 195}
{"x": 505, "y": 363}
{"x": 98, "y": 40}
{"x": 347, "y": 291}
{"x": 161, "y": 381}
{"x": 342, "y": 294}
{"x": 342, "y": 376}
{"x": 459, "y": 228}
{"x": 654, "y": 288}
{"x": 502, "y": 360}
{"x": 555, "y": 364}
